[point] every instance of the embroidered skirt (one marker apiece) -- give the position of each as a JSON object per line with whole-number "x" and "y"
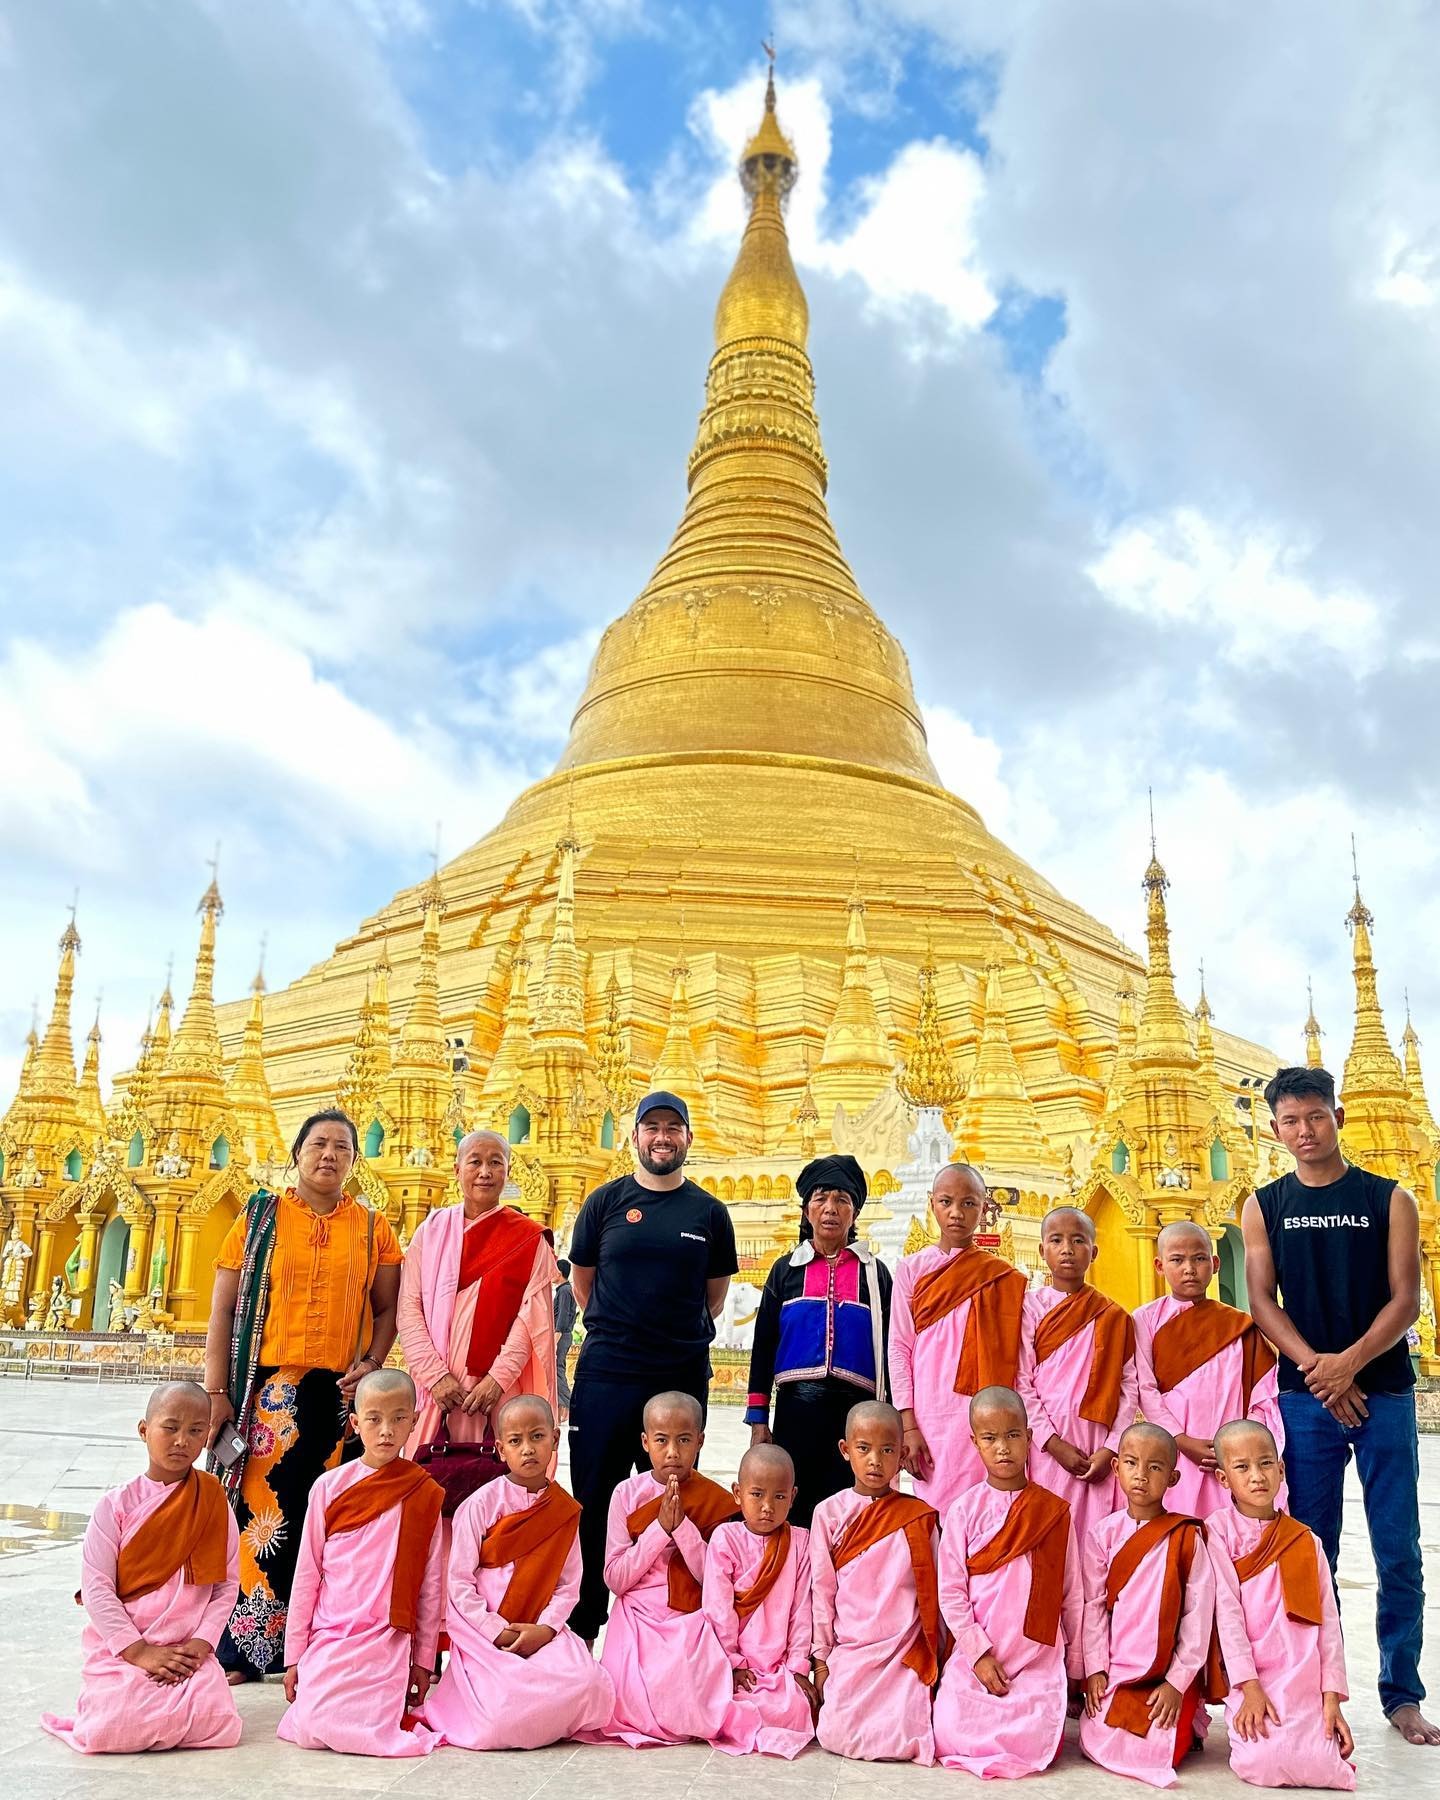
{"x": 296, "y": 1431}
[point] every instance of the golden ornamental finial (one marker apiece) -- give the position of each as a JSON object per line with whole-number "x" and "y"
{"x": 1202, "y": 1005}
{"x": 210, "y": 901}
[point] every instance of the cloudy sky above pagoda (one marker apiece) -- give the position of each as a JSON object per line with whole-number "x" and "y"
{"x": 351, "y": 351}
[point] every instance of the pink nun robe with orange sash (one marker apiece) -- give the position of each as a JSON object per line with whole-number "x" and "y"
{"x": 876, "y": 1626}
{"x": 365, "y": 1605}
{"x": 1202, "y": 1363}
{"x": 954, "y": 1329}
{"x": 757, "y": 1599}
{"x": 672, "y": 1679}
{"x": 515, "y": 1560}
{"x": 477, "y": 1299}
{"x": 1278, "y": 1624}
{"x": 1149, "y": 1608}
{"x": 160, "y": 1562}
{"x": 1078, "y": 1381}
{"x": 1009, "y": 1587}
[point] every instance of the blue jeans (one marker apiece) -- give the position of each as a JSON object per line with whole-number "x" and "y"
{"x": 1387, "y": 1459}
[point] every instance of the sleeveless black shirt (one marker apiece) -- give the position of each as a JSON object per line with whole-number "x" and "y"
{"x": 1331, "y": 1250}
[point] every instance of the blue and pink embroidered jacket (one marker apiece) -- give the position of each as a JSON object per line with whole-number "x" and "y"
{"x": 820, "y": 1321}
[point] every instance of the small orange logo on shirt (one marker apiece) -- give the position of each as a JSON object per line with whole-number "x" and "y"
{"x": 634, "y": 1216}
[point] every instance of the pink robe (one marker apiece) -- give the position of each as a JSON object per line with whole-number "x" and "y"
{"x": 490, "y": 1699}
{"x": 434, "y": 1322}
{"x": 354, "y": 1666}
{"x": 1053, "y": 1391}
{"x": 672, "y": 1679}
{"x": 922, "y": 1379}
{"x": 866, "y": 1620}
{"x": 120, "y": 1708}
{"x": 1200, "y": 1405}
{"x": 773, "y": 1718}
{"x": 1019, "y": 1733}
{"x": 1123, "y": 1645}
{"x": 1296, "y": 1664}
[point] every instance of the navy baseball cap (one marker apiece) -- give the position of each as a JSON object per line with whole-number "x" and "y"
{"x": 654, "y": 1102}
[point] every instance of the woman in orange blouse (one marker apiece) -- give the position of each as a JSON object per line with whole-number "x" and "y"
{"x": 306, "y": 1287}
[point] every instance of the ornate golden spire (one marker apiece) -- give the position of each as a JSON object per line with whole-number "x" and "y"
{"x": 1372, "y": 1069}
{"x": 367, "y": 1068}
{"x": 929, "y": 1077}
{"x": 32, "y": 1050}
{"x": 160, "y": 1035}
{"x": 562, "y": 987}
{"x": 752, "y": 618}
{"x": 677, "y": 1067}
{"x": 998, "y": 1121}
{"x": 417, "y": 1093}
{"x": 612, "y": 1052}
{"x": 91, "y": 1103}
{"x": 195, "y": 1053}
{"x": 1162, "y": 1038}
{"x": 248, "y": 1089}
{"x": 1205, "y": 1047}
{"x": 1314, "y": 1056}
{"x": 856, "y": 1062}
{"x": 1124, "y": 1039}
{"x": 1414, "y": 1079}
{"x": 52, "y": 1076}
{"x": 515, "y": 1053}
{"x": 422, "y": 1038}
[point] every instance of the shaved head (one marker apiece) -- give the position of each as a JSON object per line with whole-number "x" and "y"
{"x": 1143, "y": 1431}
{"x": 380, "y": 1382}
{"x": 674, "y": 1400}
{"x": 1071, "y": 1214}
{"x": 872, "y": 1413}
{"x": 998, "y": 1399}
{"x": 523, "y": 1403}
{"x": 176, "y": 1393}
{"x": 1237, "y": 1431}
{"x": 961, "y": 1173}
{"x": 502, "y": 1144}
{"x": 768, "y": 1459}
{"x": 1180, "y": 1230}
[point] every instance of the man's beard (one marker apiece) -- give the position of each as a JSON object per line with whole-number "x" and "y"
{"x": 649, "y": 1164}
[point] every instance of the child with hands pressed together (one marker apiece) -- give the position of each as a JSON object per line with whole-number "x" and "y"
{"x": 757, "y": 1599}
{"x": 1149, "y": 1607}
{"x": 1010, "y": 1593}
{"x": 1278, "y": 1626}
{"x": 877, "y": 1628}
{"x": 364, "y": 1619}
{"x": 1077, "y": 1373}
{"x": 159, "y": 1576}
{"x": 955, "y": 1318}
{"x": 1200, "y": 1362}
{"x": 672, "y": 1680}
{"x": 517, "y": 1676}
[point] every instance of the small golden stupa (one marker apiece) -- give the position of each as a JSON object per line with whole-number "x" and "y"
{"x": 744, "y": 880}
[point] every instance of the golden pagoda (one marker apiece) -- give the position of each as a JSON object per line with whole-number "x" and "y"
{"x": 747, "y": 754}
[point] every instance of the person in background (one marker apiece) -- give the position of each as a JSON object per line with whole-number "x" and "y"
{"x": 565, "y": 1314}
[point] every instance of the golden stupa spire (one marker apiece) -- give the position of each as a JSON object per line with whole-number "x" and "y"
{"x": 1414, "y": 1079}
{"x": 367, "y": 1067}
{"x": 753, "y": 604}
{"x": 32, "y": 1050}
{"x": 928, "y": 1077}
{"x": 91, "y": 1102}
{"x": 248, "y": 1089}
{"x": 194, "y": 1053}
{"x": 998, "y": 1122}
{"x": 52, "y": 1075}
{"x": 417, "y": 1093}
{"x": 515, "y": 1053}
{"x": 422, "y": 1037}
{"x": 1314, "y": 1056}
{"x": 160, "y": 1034}
{"x": 677, "y": 1068}
{"x": 1162, "y": 1037}
{"x": 561, "y": 1013}
{"x": 856, "y": 1061}
{"x": 1124, "y": 1038}
{"x": 612, "y": 1051}
{"x": 1372, "y": 1068}
{"x": 1205, "y": 1045}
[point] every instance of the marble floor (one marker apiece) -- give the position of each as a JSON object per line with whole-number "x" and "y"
{"x": 62, "y": 1444}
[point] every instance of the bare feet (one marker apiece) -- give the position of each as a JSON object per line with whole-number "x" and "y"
{"x": 1414, "y": 1727}
{"x": 238, "y": 1677}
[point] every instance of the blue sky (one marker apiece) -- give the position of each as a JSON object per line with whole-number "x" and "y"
{"x": 353, "y": 350}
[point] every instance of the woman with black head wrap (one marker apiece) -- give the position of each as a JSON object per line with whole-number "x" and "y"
{"x": 820, "y": 1333}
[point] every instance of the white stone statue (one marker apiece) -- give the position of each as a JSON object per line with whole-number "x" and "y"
{"x": 115, "y": 1319}
{"x": 13, "y": 1259}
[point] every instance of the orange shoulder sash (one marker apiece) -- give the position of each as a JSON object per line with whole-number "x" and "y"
{"x": 990, "y": 1351}
{"x": 1037, "y": 1526}
{"x": 870, "y": 1526}
{"x": 187, "y": 1530}
{"x": 537, "y": 1541}
{"x": 419, "y": 1498}
{"x": 1114, "y": 1342}
{"x": 707, "y": 1505}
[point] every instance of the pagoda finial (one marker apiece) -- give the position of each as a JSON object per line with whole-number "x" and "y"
{"x": 1372, "y": 1069}
{"x": 91, "y": 1103}
{"x": 928, "y": 1076}
{"x": 1314, "y": 1056}
{"x": 1162, "y": 1036}
{"x": 194, "y": 1052}
{"x": 257, "y": 986}
{"x": 248, "y": 1088}
{"x": 562, "y": 986}
{"x": 53, "y": 1072}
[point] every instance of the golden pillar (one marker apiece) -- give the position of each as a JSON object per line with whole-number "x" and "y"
{"x": 182, "y": 1290}
{"x": 162, "y": 1237}
{"x": 137, "y": 1258}
{"x": 44, "y": 1257}
{"x": 89, "y": 1237}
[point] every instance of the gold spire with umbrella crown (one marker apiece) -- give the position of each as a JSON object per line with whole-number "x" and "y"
{"x": 248, "y": 1088}
{"x": 52, "y": 1076}
{"x": 929, "y": 1077}
{"x": 1314, "y": 1055}
{"x": 1414, "y": 1078}
{"x": 91, "y": 1101}
{"x": 194, "y": 1054}
{"x": 1372, "y": 1069}
{"x": 998, "y": 1122}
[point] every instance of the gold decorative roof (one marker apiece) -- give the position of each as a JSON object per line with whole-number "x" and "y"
{"x": 929, "y": 1077}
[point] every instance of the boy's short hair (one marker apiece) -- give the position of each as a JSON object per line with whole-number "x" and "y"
{"x": 536, "y": 1402}
{"x": 674, "y": 1400}
{"x": 1300, "y": 1084}
{"x": 1157, "y": 1434}
{"x": 876, "y": 1410}
{"x": 1233, "y": 1429}
{"x": 1001, "y": 1399}
{"x": 1069, "y": 1212}
{"x": 775, "y": 1456}
{"x": 383, "y": 1381}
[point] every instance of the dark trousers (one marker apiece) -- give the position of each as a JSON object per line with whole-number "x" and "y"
{"x": 809, "y": 1422}
{"x": 1387, "y": 1460}
{"x": 606, "y": 1419}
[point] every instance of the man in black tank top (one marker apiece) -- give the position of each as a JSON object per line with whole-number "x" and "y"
{"x": 1332, "y": 1262}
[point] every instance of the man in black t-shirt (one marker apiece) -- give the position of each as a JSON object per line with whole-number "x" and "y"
{"x": 1332, "y": 1263}
{"x": 651, "y": 1258}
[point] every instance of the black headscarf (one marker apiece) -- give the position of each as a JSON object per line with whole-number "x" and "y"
{"x": 841, "y": 1172}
